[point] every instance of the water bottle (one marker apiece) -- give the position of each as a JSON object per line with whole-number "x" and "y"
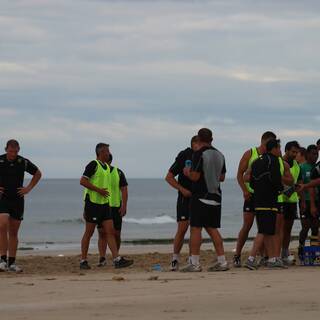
{"x": 188, "y": 164}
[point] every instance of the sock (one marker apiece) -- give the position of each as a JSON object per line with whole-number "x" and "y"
{"x": 222, "y": 260}
{"x": 11, "y": 261}
{"x": 175, "y": 256}
{"x": 251, "y": 258}
{"x": 195, "y": 260}
{"x": 272, "y": 260}
{"x": 118, "y": 258}
{"x": 83, "y": 260}
{"x": 189, "y": 260}
{"x": 4, "y": 258}
{"x": 284, "y": 253}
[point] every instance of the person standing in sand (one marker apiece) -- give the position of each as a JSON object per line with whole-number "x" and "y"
{"x": 12, "y": 192}
{"x": 183, "y": 185}
{"x": 208, "y": 170}
{"x": 248, "y": 207}
{"x": 96, "y": 180}
{"x": 118, "y": 205}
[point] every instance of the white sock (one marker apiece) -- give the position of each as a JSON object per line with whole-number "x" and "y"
{"x": 195, "y": 260}
{"x": 272, "y": 260}
{"x": 222, "y": 260}
{"x": 117, "y": 259}
{"x": 189, "y": 260}
{"x": 251, "y": 258}
{"x": 175, "y": 256}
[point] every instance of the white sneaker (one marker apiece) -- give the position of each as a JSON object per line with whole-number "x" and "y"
{"x": 191, "y": 268}
{"x": 3, "y": 266}
{"x": 14, "y": 268}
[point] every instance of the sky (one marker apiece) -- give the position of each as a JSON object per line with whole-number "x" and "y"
{"x": 144, "y": 76}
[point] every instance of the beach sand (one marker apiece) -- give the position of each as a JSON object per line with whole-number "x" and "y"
{"x": 53, "y": 287}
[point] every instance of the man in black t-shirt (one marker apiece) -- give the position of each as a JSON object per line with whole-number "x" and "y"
{"x": 12, "y": 192}
{"x": 117, "y": 211}
{"x": 208, "y": 170}
{"x": 183, "y": 185}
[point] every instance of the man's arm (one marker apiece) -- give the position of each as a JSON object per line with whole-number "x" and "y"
{"x": 287, "y": 177}
{"x": 124, "y": 201}
{"x": 175, "y": 184}
{"x": 33, "y": 182}
{"x": 84, "y": 181}
{"x": 242, "y": 168}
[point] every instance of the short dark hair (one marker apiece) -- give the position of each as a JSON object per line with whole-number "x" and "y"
{"x": 292, "y": 144}
{"x": 318, "y": 142}
{"x": 311, "y": 147}
{"x": 268, "y": 135}
{"x": 110, "y": 158}
{"x": 12, "y": 143}
{"x": 100, "y": 146}
{"x": 271, "y": 144}
{"x": 205, "y": 135}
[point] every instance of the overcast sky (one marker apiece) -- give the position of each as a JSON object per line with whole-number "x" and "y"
{"x": 144, "y": 76}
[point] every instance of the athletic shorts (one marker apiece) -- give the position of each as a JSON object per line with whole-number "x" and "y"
{"x": 266, "y": 221}
{"x": 307, "y": 212}
{"x": 96, "y": 213}
{"x": 15, "y": 208}
{"x": 290, "y": 211}
{"x": 248, "y": 206}
{"x": 117, "y": 219}
{"x": 183, "y": 208}
{"x": 204, "y": 215}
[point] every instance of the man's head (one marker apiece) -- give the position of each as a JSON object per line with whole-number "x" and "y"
{"x": 12, "y": 149}
{"x": 318, "y": 144}
{"x": 312, "y": 154}
{"x": 273, "y": 146}
{"x": 268, "y": 135}
{"x": 291, "y": 149}
{"x": 195, "y": 143}
{"x": 205, "y": 136}
{"x": 102, "y": 151}
{"x": 301, "y": 156}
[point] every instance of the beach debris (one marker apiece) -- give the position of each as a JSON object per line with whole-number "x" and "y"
{"x": 153, "y": 278}
{"x": 118, "y": 278}
{"x": 50, "y": 279}
{"x": 60, "y": 255}
{"x": 157, "y": 267}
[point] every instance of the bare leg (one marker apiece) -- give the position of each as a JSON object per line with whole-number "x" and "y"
{"x": 14, "y": 226}
{"x": 195, "y": 241}
{"x": 4, "y": 225}
{"x": 217, "y": 240}
{"x": 118, "y": 238}
{"x": 85, "y": 242}
{"x": 257, "y": 244}
{"x": 179, "y": 237}
{"x": 305, "y": 226}
{"x": 287, "y": 227}
{"x": 279, "y": 234}
{"x": 108, "y": 229}
{"x": 102, "y": 243}
{"x": 248, "y": 218}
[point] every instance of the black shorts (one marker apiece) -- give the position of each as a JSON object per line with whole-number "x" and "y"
{"x": 117, "y": 219}
{"x": 203, "y": 215}
{"x": 248, "y": 206}
{"x": 266, "y": 221}
{"x": 306, "y": 214}
{"x": 183, "y": 208}
{"x": 15, "y": 208}
{"x": 96, "y": 213}
{"x": 290, "y": 210}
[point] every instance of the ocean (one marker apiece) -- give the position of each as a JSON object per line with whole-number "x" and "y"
{"x": 54, "y": 209}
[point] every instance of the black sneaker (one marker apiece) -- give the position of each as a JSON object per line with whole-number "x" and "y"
{"x": 237, "y": 261}
{"x": 84, "y": 265}
{"x": 102, "y": 262}
{"x": 174, "y": 265}
{"x": 122, "y": 263}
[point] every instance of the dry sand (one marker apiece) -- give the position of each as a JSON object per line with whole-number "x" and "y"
{"x": 53, "y": 287}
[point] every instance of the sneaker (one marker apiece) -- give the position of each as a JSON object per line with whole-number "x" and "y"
{"x": 84, "y": 265}
{"x": 191, "y": 268}
{"x": 122, "y": 263}
{"x": 251, "y": 265}
{"x": 14, "y": 268}
{"x": 218, "y": 267}
{"x": 102, "y": 262}
{"x": 3, "y": 266}
{"x": 289, "y": 261}
{"x": 237, "y": 261}
{"x": 278, "y": 264}
{"x": 174, "y": 265}
{"x": 263, "y": 262}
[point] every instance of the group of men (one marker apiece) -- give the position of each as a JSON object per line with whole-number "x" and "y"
{"x": 275, "y": 188}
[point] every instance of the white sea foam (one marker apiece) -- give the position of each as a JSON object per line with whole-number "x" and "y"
{"x": 152, "y": 220}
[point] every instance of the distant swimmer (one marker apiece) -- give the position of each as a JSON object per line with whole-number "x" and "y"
{"x": 118, "y": 200}
{"x": 183, "y": 185}
{"x": 96, "y": 180}
{"x": 207, "y": 172}
{"x": 248, "y": 209}
{"x": 12, "y": 193}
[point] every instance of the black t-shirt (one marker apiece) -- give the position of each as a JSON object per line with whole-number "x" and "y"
{"x": 123, "y": 181}
{"x": 315, "y": 174}
{"x": 266, "y": 181}
{"x": 177, "y": 168}
{"x": 12, "y": 175}
{"x": 210, "y": 163}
